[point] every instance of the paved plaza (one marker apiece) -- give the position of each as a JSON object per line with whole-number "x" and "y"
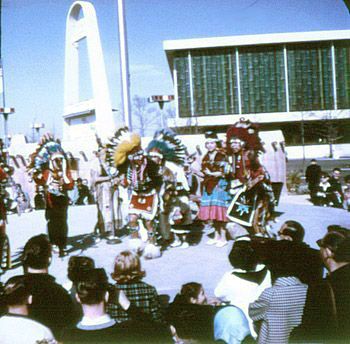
{"x": 200, "y": 263}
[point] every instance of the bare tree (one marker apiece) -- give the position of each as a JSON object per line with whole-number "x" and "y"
{"x": 145, "y": 116}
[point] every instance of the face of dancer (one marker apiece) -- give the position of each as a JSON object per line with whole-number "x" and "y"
{"x": 236, "y": 145}
{"x": 156, "y": 158}
{"x": 57, "y": 164}
{"x": 210, "y": 145}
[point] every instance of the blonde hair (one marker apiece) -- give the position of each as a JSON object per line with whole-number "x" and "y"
{"x": 127, "y": 268}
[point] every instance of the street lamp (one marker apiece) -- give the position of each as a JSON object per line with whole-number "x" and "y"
{"x": 161, "y": 100}
{"x": 6, "y": 111}
{"x": 36, "y": 128}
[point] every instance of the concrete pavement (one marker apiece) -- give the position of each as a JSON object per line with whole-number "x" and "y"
{"x": 199, "y": 263}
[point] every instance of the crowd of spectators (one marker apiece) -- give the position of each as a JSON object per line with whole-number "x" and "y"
{"x": 327, "y": 190}
{"x": 276, "y": 292}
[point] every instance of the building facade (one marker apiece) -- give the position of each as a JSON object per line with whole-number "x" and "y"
{"x": 295, "y": 82}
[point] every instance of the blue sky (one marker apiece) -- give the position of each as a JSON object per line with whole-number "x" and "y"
{"x": 33, "y": 38}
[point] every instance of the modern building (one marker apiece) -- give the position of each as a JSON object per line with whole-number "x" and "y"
{"x": 295, "y": 82}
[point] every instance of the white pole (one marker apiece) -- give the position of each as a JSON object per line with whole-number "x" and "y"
{"x": 124, "y": 65}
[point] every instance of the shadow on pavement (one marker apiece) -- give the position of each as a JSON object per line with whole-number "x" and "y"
{"x": 80, "y": 243}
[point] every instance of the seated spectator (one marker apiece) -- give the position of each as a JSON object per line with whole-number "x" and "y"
{"x": 194, "y": 319}
{"x": 327, "y": 310}
{"x": 336, "y": 195}
{"x": 243, "y": 285}
{"x": 16, "y": 326}
{"x": 128, "y": 275}
{"x": 97, "y": 326}
{"x": 51, "y": 304}
{"x": 279, "y": 309}
{"x": 322, "y": 196}
{"x": 83, "y": 193}
{"x": 291, "y": 251}
{"x": 78, "y": 267}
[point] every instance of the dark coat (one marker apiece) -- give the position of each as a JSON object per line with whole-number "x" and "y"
{"x": 313, "y": 174}
{"x": 319, "y": 324}
{"x": 289, "y": 258}
{"x": 51, "y": 305}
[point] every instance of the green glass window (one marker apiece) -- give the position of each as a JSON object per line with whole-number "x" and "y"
{"x": 262, "y": 79}
{"x": 183, "y": 84}
{"x": 342, "y": 67}
{"x": 310, "y": 77}
{"x": 214, "y": 82}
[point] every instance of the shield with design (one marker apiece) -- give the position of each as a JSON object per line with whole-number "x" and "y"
{"x": 242, "y": 210}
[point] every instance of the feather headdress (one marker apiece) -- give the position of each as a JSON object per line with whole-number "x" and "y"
{"x": 168, "y": 146}
{"x": 48, "y": 149}
{"x": 121, "y": 146}
{"x": 247, "y": 132}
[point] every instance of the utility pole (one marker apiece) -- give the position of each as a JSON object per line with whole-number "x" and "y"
{"x": 124, "y": 64}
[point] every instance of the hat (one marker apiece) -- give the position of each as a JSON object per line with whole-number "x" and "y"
{"x": 338, "y": 243}
{"x": 210, "y": 136}
{"x": 245, "y": 131}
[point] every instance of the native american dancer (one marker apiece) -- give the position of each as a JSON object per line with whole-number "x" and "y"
{"x": 141, "y": 176}
{"x": 215, "y": 199}
{"x": 165, "y": 148}
{"x": 104, "y": 181}
{"x": 250, "y": 185}
{"x": 49, "y": 168}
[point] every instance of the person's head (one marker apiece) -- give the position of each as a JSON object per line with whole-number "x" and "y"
{"x": 336, "y": 173}
{"x": 127, "y": 268}
{"x": 335, "y": 249}
{"x": 242, "y": 256}
{"x": 313, "y": 162}
{"x": 79, "y": 266}
{"x": 292, "y": 231}
{"x": 211, "y": 141}
{"x": 137, "y": 158}
{"x": 156, "y": 155}
{"x": 193, "y": 293}
{"x": 36, "y": 254}
{"x": 79, "y": 181}
{"x": 16, "y": 293}
{"x": 236, "y": 144}
{"x": 93, "y": 287}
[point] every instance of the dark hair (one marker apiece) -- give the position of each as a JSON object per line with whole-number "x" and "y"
{"x": 243, "y": 256}
{"x": 93, "y": 287}
{"x": 294, "y": 230}
{"x": 190, "y": 290}
{"x": 339, "y": 243}
{"x": 78, "y": 266}
{"x": 16, "y": 291}
{"x": 37, "y": 252}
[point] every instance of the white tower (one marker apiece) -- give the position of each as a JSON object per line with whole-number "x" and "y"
{"x": 82, "y": 119}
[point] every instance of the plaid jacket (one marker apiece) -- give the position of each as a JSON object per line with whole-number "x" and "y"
{"x": 279, "y": 309}
{"x": 140, "y": 294}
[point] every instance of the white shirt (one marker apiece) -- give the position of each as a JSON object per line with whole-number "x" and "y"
{"x": 18, "y": 329}
{"x": 240, "y": 292}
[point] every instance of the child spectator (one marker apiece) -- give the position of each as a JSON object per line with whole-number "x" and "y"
{"x": 97, "y": 326}
{"x": 128, "y": 275}
{"x": 16, "y": 326}
{"x": 243, "y": 285}
{"x": 195, "y": 319}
